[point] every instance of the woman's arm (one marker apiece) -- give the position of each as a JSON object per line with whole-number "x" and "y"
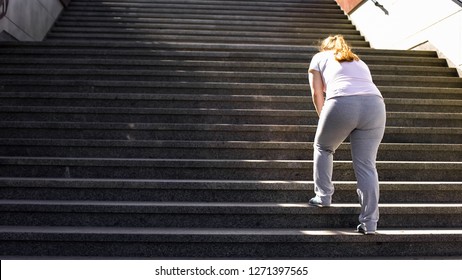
{"x": 317, "y": 89}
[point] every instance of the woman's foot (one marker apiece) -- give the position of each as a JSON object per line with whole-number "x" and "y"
{"x": 317, "y": 201}
{"x": 363, "y": 229}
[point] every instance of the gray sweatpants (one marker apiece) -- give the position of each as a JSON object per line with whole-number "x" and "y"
{"x": 363, "y": 119}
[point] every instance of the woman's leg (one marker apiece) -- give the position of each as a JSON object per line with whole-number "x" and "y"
{"x": 365, "y": 141}
{"x": 337, "y": 120}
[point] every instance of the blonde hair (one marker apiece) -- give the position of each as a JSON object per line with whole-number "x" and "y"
{"x": 342, "y": 51}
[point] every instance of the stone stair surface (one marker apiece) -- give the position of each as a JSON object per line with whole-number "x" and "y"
{"x": 184, "y": 129}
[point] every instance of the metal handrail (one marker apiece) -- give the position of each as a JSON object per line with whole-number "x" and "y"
{"x": 380, "y": 6}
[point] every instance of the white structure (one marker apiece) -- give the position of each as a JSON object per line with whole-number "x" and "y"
{"x": 28, "y": 20}
{"x": 413, "y": 24}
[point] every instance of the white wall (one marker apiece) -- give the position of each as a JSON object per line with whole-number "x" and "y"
{"x": 411, "y": 23}
{"x": 30, "y": 20}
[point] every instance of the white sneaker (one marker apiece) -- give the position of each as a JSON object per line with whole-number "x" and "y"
{"x": 316, "y": 201}
{"x": 362, "y": 229}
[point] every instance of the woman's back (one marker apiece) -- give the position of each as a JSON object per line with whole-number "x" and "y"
{"x": 343, "y": 78}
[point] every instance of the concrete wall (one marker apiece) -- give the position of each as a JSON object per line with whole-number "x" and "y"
{"x": 349, "y": 5}
{"x": 28, "y": 20}
{"x": 413, "y": 24}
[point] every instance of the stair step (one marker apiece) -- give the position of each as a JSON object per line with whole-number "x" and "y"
{"x": 206, "y": 101}
{"x": 294, "y": 61}
{"x": 149, "y": 48}
{"x": 210, "y": 76}
{"x": 112, "y": 32}
{"x": 314, "y": 15}
{"x": 187, "y": 132}
{"x": 154, "y": 87}
{"x": 226, "y": 243}
{"x": 213, "y": 149}
{"x": 210, "y": 25}
{"x": 217, "y": 190}
{"x": 196, "y": 169}
{"x": 208, "y": 8}
{"x": 191, "y": 38}
{"x": 205, "y": 132}
{"x": 420, "y": 92}
{"x": 207, "y": 115}
{"x": 158, "y": 115}
{"x": 208, "y": 88}
{"x": 266, "y": 2}
{"x": 422, "y": 105}
{"x": 167, "y": 100}
{"x": 241, "y": 5}
{"x": 263, "y": 14}
{"x": 19, "y": 68}
{"x": 219, "y": 215}
{"x": 211, "y": 67}
{"x": 194, "y": 19}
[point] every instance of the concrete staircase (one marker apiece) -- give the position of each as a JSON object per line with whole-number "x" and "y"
{"x": 184, "y": 129}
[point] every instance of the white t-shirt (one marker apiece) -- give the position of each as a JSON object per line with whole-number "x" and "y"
{"x": 343, "y": 78}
